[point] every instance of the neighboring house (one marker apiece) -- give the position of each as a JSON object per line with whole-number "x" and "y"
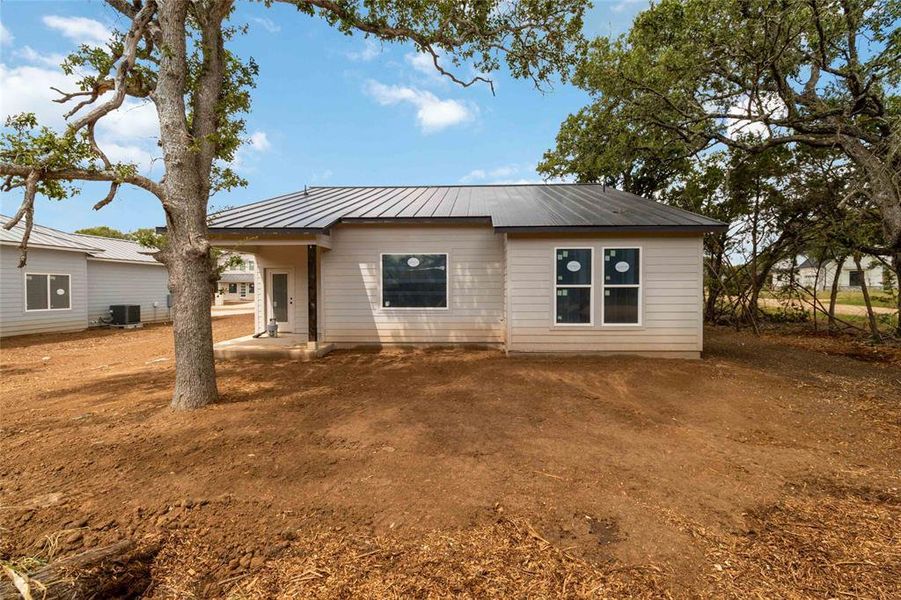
{"x": 529, "y": 268}
{"x": 874, "y": 272}
{"x": 70, "y": 281}
{"x": 237, "y": 282}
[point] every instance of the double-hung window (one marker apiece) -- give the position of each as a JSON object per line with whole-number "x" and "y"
{"x": 622, "y": 286}
{"x": 414, "y": 281}
{"x": 573, "y": 286}
{"x": 45, "y": 291}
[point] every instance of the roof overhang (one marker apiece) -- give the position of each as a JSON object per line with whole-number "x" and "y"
{"x": 614, "y": 229}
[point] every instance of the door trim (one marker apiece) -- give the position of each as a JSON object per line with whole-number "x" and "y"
{"x": 289, "y": 271}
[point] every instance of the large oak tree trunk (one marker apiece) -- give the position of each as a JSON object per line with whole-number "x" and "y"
{"x": 190, "y": 276}
{"x": 187, "y": 251}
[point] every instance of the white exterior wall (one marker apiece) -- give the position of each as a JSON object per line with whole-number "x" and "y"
{"x": 807, "y": 277}
{"x": 671, "y": 297}
{"x": 122, "y": 283}
{"x": 14, "y": 320}
{"x": 282, "y": 257}
{"x": 350, "y": 303}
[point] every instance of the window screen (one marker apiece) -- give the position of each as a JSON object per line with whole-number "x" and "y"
{"x": 855, "y": 278}
{"x": 59, "y": 291}
{"x": 233, "y": 288}
{"x": 622, "y": 286}
{"x": 573, "y": 286}
{"x": 36, "y": 292}
{"x": 414, "y": 280}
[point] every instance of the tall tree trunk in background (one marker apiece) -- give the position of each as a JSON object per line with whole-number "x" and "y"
{"x": 715, "y": 279}
{"x": 833, "y": 294}
{"x": 896, "y": 263}
{"x": 871, "y": 317}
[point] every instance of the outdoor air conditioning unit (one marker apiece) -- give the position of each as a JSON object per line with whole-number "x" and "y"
{"x": 125, "y": 314}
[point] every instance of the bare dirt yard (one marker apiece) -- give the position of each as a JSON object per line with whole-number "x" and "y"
{"x": 769, "y": 469}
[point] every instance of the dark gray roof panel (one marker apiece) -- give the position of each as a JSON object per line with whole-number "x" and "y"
{"x": 512, "y": 207}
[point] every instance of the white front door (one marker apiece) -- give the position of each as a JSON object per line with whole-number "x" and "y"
{"x": 280, "y": 298}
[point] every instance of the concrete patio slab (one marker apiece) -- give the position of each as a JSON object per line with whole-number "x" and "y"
{"x": 286, "y": 346}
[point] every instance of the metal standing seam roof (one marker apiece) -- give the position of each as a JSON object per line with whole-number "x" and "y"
{"x": 100, "y": 248}
{"x": 44, "y": 237}
{"x": 540, "y": 207}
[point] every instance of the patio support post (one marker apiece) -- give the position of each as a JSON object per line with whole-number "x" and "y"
{"x": 312, "y": 286}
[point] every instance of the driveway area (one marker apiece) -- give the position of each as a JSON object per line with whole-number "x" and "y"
{"x": 770, "y": 468}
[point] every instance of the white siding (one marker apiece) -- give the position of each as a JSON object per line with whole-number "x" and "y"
{"x": 350, "y": 286}
{"x": 121, "y": 283}
{"x": 283, "y": 257}
{"x": 672, "y": 297}
{"x": 14, "y": 320}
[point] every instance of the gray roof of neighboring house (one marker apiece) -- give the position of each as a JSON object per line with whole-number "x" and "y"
{"x": 43, "y": 237}
{"x": 96, "y": 247}
{"x": 233, "y": 277}
{"x": 118, "y": 250}
{"x": 558, "y": 207}
{"x": 809, "y": 263}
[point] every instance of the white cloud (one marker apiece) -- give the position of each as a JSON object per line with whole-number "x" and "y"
{"x": 259, "y": 141}
{"x": 29, "y": 54}
{"x": 765, "y": 105}
{"x": 128, "y": 154}
{"x": 6, "y": 38}
{"x": 27, "y": 89}
{"x": 370, "y": 50}
{"x": 432, "y": 113}
{"x": 133, "y": 120}
{"x": 321, "y": 176}
{"x": 422, "y": 62}
{"x": 79, "y": 29}
{"x": 268, "y": 24}
{"x": 496, "y": 175}
{"x": 126, "y": 135}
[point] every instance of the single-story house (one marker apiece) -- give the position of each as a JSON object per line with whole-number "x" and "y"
{"x": 71, "y": 280}
{"x": 236, "y": 283}
{"x": 527, "y": 268}
{"x": 874, "y": 272}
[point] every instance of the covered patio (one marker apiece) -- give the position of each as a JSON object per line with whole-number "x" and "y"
{"x": 287, "y": 279}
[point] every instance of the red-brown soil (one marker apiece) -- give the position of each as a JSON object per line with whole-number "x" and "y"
{"x": 770, "y": 468}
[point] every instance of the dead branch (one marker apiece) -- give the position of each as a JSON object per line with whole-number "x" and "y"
{"x": 26, "y": 209}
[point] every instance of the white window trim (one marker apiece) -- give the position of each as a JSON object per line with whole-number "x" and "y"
{"x": 447, "y": 287}
{"x": 640, "y": 287}
{"x": 49, "y": 275}
{"x": 557, "y": 286}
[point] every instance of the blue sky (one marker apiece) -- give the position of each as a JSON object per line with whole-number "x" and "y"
{"x": 328, "y": 110}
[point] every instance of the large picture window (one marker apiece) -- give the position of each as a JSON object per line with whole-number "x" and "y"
{"x": 414, "y": 281}
{"x": 47, "y": 292}
{"x": 622, "y": 286}
{"x": 573, "y": 285}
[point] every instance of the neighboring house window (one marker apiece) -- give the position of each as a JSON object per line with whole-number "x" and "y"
{"x": 250, "y": 265}
{"x": 573, "y": 286}
{"x": 243, "y": 289}
{"x": 251, "y": 288}
{"x": 414, "y": 280}
{"x": 855, "y": 278}
{"x": 622, "y": 286}
{"x": 233, "y": 288}
{"x": 47, "y": 292}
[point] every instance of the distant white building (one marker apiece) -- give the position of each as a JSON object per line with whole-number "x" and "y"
{"x": 873, "y": 271}
{"x": 237, "y": 283}
{"x": 71, "y": 280}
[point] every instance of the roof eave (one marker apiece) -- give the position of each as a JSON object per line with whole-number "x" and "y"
{"x": 613, "y": 228}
